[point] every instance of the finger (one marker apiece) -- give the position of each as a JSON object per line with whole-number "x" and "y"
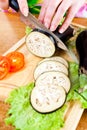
{"x": 67, "y": 20}
{"x": 50, "y": 12}
{"x": 43, "y": 10}
{"x": 4, "y": 4}
{"x": 60, "y": 13}
{"x": 70, "y": 15}
{"x": 23, "y": 7}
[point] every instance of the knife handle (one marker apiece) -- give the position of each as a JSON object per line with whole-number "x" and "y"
{"x": 14, "y": 5}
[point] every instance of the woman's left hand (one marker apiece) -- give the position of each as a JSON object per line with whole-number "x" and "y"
{"x": 52, "y": 12}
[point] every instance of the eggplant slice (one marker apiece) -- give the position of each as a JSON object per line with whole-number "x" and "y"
{"x": 40, "y": 44}
{"x": 54, "y": 78}
{"x": 46, "y": 33}
{"x": 55, "y": 58}
{"x": 47, "y": 98}
{"x": 49, "y": 66}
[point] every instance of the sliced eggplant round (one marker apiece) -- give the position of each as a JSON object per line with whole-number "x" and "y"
{"x": 56, "y": 58}
{"x": 40, "y": 45}
{"x": 46, "y": 33}
{"x": 54, "y": 78}
{"x": 47, "y": 98}
{"x": 49, "y": 66}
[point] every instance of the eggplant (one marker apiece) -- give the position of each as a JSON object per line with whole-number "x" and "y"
{"x": 69, "y": 32}
{"x": 40, "y": 44}
{"x": 81, "y": 47}
{"x": 55, "y": 58}
{"x": 49, "y": 66}
{"x": 46, "y": 33}
{"x": 54, "y": 78}
{"x": 48, "y": 98}
{"x": 66, "y": 35}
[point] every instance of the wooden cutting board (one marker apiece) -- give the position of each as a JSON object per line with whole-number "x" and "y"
{"x": 25, "y": 76}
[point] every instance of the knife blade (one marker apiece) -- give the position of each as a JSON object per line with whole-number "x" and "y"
{"x": 30, "y": 19}
{"x": 36, "y": 23}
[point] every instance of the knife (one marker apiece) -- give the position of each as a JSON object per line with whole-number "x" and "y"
{"x": 30, "y": 19}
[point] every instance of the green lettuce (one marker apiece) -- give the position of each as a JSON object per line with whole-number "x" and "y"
{"x": 78, "y": 85}
{"x": 24, "y": 117}
{"x": 28, "y": 30}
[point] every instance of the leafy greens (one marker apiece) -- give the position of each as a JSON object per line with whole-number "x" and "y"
{"x": 33, "y": 7}
{"x": 24, "y": 117}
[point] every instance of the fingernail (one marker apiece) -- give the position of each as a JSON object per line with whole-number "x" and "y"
{"x": 61, "y": 31}
{"x": 25, "y": 12}
{"x": 52, "y": 28}
{"x": 46, "y": 24}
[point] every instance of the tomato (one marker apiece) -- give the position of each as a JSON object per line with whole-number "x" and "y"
{"x": 16, "y": 61}
{"x": 4, "y": 66}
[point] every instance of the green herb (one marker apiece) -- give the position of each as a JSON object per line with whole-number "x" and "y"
{"x": 32, "y": 2}
{"x": 33, "y": 7}
{"x": 28, "y": 30}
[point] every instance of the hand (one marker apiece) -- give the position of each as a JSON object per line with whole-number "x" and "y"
{"x": 4, "y": 4}
{"x": 23, "y": 7}
{"x": 52, "y": 12}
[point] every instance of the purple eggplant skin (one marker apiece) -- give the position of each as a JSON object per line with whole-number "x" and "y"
{"x": 66, "y": 35}
{"x": 81, "y": 47}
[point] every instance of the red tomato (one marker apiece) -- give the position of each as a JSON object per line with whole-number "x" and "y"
{"x": 4, "y": 66}
{"x": 16, "y": 61}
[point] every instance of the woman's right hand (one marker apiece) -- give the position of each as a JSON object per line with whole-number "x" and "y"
{"x": 4, "y": 4}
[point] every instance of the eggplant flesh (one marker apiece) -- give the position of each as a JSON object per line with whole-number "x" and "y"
{"x": 81, "y": 46}
{"x": 40, "y": 44}
{"x": 47, "y": 34}
{"x": 45, "y": 99}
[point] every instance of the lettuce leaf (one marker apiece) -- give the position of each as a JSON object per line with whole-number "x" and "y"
{"x": 28, "y": 30}
{"x": 79, "y": 85}
{"x": 24, "y": 117}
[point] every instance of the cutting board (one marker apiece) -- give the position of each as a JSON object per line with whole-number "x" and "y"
{"x": 25, "y": 76}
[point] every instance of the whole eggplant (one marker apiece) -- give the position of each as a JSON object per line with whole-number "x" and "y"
{"x": 81, "y": 46}
{"x": 66, "y": 35}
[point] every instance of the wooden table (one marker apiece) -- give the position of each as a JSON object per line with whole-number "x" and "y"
{"x": 12, "y": 30}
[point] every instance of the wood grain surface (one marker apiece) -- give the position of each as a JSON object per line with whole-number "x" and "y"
{"x": 12, "y": 30}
